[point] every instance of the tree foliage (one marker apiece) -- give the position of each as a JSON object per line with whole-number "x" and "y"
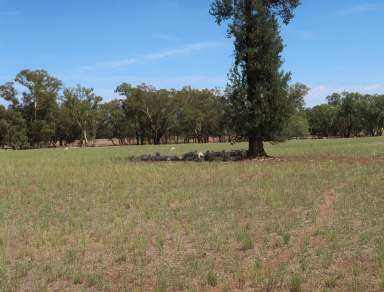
{"x": 348, "y": 114}
{"x": 12, "y": 129}
{"x": 201, "y": 113}
{"x": 258, "y": 93}
{"x": 151, "y": 109}
{"x": 41, "y": 113}
{"x": 83, "y": 107}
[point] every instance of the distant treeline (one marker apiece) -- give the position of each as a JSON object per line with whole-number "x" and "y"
{"x": 348, "y": 115}
{"x": 41, "y": 113}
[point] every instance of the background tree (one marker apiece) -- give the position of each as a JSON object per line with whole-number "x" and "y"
{"x": 12, "y": 129}
{"x": 115, "y": 124}
{"x": 297, "y": 93}
{"x": 258, "y": 91}
{"x": 348, "y": 114}
{"x": 39, "y": 104}
{"x": 297, "y": 125}
{"x": 83, "y": 107}
{"x": 377, "y": 115}
{"x": 131, "y": 107}
{"x": 352, "y": 112}
{"x": 9, "y": 93}
{"x": 348, "y": 118}
{"x": 201, "y": 113}
{"x": 322, "y": 120}
{"x": 40, "y": 114}
{"x": 152, "y": 110}
{"x": 67, "y": 130}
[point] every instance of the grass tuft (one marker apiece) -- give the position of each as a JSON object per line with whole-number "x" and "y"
{"x": 246, "y": 241}
{"x": 295, "y": 283}
{"x": 211, "y": 279}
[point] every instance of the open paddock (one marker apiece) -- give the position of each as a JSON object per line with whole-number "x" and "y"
{"x": 90, "y": 220}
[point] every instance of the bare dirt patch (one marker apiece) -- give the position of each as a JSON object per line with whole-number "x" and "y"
{"x": 325, "y": 210}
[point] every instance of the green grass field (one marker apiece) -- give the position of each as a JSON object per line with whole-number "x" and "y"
{"x": 90, "y": 220}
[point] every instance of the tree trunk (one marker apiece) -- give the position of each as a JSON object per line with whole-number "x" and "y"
{"x": 256, "y": 147}
{"x": 156, "y": 140}
{"x": 85, "y": 138}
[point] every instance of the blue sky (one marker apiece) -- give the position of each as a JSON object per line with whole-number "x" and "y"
{"x": 330, "y": 45}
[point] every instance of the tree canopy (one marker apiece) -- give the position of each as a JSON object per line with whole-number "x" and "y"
{"x": 258, "y": 92}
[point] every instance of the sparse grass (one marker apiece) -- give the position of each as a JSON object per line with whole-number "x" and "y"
{"x": 246, "y": 241}
{"x": 286, "y": 238}
{"x": 381, "y": 280}
{"x": 295, "y": 284}
{"x": 211, "y": 279}
{"x": 77, "y": 279}
{"x": 89, "y": 220}
{"x": 331, "y": 282}
{"x": 161, "y": 283}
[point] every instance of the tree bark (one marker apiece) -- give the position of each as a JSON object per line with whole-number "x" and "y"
{"x": 85, "y": 138}
{"x": 256, "y": 148}
{"x": 156, "y": 140}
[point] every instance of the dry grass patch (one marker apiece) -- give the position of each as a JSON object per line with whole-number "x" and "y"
{"x": 87, "y": 220}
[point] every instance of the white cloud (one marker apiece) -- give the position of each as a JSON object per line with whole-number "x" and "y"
{"x": 199, "y": 81}
{"x": 361, "y": 8}
{"x": 375, "y": 88}
{"x": 318, "y": 93}
{"x": 182, "y": 50}
{"x": 319, "y": 90}
{"x": 110, "y": 64}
